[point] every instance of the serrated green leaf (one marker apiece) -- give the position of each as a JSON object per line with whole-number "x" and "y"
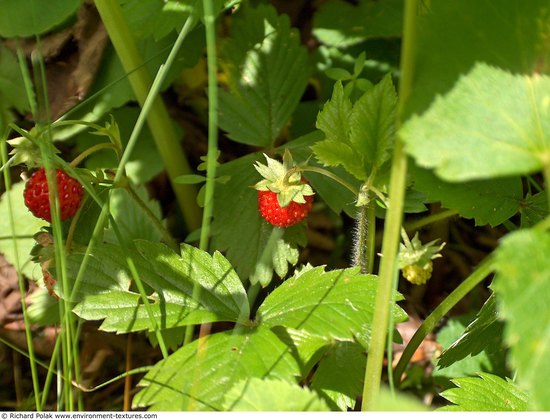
{"x": 257, "y": 394}
{"x": 267, "y": 71}
{"x": 490, "y": 201}
{"x": 343, "y": 296}
{"x": 197, "y": 376}
{"x": 360, "y": 136}
{"x": 486, "y": 393}
{"x": 36, "y": 17}
{"x": 491, "y": 124}
{"x": 533, "y": 209}
{"x": 453, "y": 36}
{"x": 131, "y": 219}
{"x": 483, "y": 334}
{"x": 341, "y": 24}
{"x": 342, "y": 371}
{"x": 522, "y": 286}
{"x": 25, "y": 225}
{"x": 104, "y": 290}
{"x": 372, "y": 124}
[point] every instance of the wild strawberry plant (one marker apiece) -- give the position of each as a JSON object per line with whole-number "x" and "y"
{"x": 413, "y": 105}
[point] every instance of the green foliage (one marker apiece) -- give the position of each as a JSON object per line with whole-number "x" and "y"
{"x": 197, "y": 376}
{"x": 12, "y": 92}
{"x": 307, "y": 300}
{"x": 486, "y": 201}
{"x": 470, "y": 349}
{"x": 105, "y": 290}
{"x": 35, "y": 18}
{"x": 486, "y": 393}
{"x": 492, "y": 123}
{"x": 25, "y": 225}
{"x": 271, "y": 395}
{"x": 267, "y": 72}
{"x": 523, "y": 289}
{"x": 534, "y": 208}
{"x": 131, "y": 219}
{"x": 483, "y": 334}
{"x": 359, "y": 136}
{"x": 340, "y": 373}
{"x": 340, "y": 24}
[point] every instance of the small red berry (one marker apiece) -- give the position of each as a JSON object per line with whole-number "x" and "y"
{"x": 37, "y": 199}
{"x": 287, "y": 216}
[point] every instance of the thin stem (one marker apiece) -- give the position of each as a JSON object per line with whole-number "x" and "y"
{"x": 21, "y": 283}
{"x": 153, "y": 109}
{"x": 76, "y": 161}
{"x": 481, "y": 272}
{"x": 394, "y": 217}
{"x": 428, "y": 220}
{"x": 324, "y": 172}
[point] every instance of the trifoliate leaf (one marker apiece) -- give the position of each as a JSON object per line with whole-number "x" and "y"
{"x": 491, "y": 124}
{"x": 198, "y": 375}
{"x": 267, "y": 71}
{"x": 257, "y": 394}
{"x": 522, "y": 287}
{"x": 343, "y": 296}
{"x": 360, "y": 136}
{"x": 486, "y": 393}
{"x": 104, "y": 288}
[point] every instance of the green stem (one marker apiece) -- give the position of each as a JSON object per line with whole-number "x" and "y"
{"x": 394, "y": 217}
{"x": 428, "y": 220}
{"x": 366, "y": 236}
{"x": 324, "y": 172}
{"x": 481, "y": 272}
{"x": 21, "y": 282}
{"x": 153, "y": 109}
{"x": 76, "y": 161}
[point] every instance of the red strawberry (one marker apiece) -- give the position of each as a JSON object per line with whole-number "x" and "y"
{"x": 37, "y": 199}
{"x": 290, "y": 215}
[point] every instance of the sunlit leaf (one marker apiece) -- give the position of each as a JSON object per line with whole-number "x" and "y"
{"x": 198, "y": 375}
{"x": 522, "y": 286}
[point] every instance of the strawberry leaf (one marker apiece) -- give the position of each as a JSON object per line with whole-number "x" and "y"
{"x": 341, "y": 24}
{"x": 522, "y": 287}
{"x": 255, "y": 394}
{"x": 491, "y": 124}
{"x": 267, "y": 71}
{"x": 490, "y": 201}
{"x": 341, "y": 372}
{"x": 486, "y": 393}
{"x": 307, "y": 300}
{"x": 35, "y": 18}
{"x": 533, "y": 209}
{"x": 104, "y": 289}
{"x": 360, "y": 136}
{"x": 12, "y": 88}
{"x": 198, "y": 375}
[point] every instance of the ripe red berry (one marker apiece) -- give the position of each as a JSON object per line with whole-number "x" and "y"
{"x": 37, "y": 199}
{"x": 287, "y": 216}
